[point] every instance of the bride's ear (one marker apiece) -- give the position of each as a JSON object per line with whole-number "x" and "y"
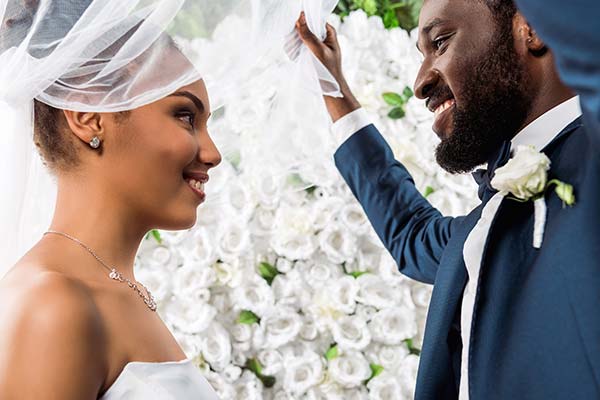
{"x": 85, "y": 125}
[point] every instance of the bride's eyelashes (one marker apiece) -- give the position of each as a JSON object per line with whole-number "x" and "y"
{"x": 187, "y": 116}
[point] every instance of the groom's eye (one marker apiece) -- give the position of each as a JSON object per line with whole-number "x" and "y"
{"x": 439, "y": 42}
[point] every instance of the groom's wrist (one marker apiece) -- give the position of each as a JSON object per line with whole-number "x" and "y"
{"x": 339, "y": 107}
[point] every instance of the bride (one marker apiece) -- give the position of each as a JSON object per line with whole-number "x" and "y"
{"x": 119, "y": 116}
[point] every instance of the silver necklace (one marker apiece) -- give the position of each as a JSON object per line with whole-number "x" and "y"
{"x": 114, "y": 274}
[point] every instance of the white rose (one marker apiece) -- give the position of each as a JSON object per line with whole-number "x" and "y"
{"x": 309, "y": 330}
{"x": 271, "y": 361}
{"x": 233, "y": 240}
{"x": 337, "y": 243}
{"x": 262, "y": 221}
{"x": 232, "y": 373}
{"x": 365, "y": 312}
{"x": 228, "y": 273}
{"x": 255, "y": 296}
{"x": 350, "y": 369}
{"x": 240, "y": 198}
{"x": 374, "y": 291}
{"x": 188, "y": 279}
{"x": 216, "y": 348}
{"x": 421, "y": 295}
{"x": 385, "y": 387}
{"x": 293, "y": 235}
{"x": 157, "y": 281}
{"x": 281, "y": 325}
{"x": 302, "y": 373}
{"x": 354, "y": 219}
{"x": 190, "y": 317}
{"x": 525, "y": 175}
{"x": 241, "y": 332}
{"x": 267, "y": 186}
{"x": 203, "y": 250}
{"x": 318, "y": 273}
{"x": 407, "y": 375}
{"x": 343, "y": 294}
{"x": 248, "y": 387}
{"x": 224, "y": 389}
{"x": 325, "y": 210}
{"x": 389, "y": 357}
{"x": 393, "y": 325}
{"x": 351, "y": 332}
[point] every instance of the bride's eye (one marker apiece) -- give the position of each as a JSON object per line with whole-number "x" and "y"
{"x": 186, "y": 116}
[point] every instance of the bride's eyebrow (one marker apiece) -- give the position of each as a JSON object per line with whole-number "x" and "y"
{"x": 197, "y": 102}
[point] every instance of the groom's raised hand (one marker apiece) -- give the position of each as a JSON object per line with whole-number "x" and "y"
{"x": 329, "y": 53}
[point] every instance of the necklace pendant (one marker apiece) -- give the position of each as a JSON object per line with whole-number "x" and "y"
{"x": 114, "y": 275}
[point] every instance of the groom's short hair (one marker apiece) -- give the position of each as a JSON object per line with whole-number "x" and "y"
{"x": 503, "y": 11}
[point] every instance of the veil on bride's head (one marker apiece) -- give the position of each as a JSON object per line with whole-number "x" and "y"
{"x": 111, "y": 56}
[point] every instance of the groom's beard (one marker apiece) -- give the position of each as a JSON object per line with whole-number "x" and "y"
{"x": 495, "y": 105}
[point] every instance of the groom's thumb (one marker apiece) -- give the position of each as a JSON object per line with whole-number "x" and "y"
{"x": 308, "y": 38}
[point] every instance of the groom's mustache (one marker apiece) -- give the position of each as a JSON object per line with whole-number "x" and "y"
{"x": 438, "y": 96}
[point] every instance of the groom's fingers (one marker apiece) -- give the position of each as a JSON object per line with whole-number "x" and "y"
{"x": 331, "y": 39}
{"x": 309, "y": 38}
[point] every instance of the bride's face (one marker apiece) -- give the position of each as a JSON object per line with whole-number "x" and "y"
{"x": 161, "y": 158}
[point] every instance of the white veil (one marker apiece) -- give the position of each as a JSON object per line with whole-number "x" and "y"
{"x": 116, "y": 55}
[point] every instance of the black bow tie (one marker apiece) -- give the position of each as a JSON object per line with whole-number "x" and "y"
{"x": 483, "y": 177}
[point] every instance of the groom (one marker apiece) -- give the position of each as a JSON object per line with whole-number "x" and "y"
{"x": 506, "y": 320}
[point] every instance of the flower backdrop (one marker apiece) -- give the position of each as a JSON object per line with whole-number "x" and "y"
{"x": 282, "y": 290}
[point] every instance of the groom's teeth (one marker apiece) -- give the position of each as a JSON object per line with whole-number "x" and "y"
{"x": 443, "y": 107}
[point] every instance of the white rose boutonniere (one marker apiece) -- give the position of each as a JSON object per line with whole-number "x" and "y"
{"x": 525, "y": 177}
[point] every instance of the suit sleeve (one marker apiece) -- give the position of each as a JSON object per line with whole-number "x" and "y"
{"x": 413, "y": 231}
{"x": 572, "y": 30}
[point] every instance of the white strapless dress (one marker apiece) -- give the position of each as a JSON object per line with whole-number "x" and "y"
{"x": 172, "y": 380}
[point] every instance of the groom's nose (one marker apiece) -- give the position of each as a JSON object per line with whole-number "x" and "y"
{"x": 427, "y": 79}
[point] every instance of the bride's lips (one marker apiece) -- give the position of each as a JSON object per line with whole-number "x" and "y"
{"x": 196, "y": 181}
{"x": 442, "y": 124}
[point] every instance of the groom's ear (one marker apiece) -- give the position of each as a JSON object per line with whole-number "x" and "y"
{"x": 526, "y": 37}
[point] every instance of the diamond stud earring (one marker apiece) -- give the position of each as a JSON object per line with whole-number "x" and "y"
{"x": 95, "y": 142}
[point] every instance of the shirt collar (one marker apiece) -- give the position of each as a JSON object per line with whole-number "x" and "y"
{"x": 545, "y": 128}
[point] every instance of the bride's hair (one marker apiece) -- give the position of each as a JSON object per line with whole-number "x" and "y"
{"x": 50, "y": 135}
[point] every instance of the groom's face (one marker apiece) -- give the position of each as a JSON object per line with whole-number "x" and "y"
{"x": 473, "y": 80}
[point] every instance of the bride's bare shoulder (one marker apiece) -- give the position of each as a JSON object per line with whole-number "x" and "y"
{"x": 46, "y": 315}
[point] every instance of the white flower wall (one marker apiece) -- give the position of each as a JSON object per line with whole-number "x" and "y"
{"x": 282, "y": 290}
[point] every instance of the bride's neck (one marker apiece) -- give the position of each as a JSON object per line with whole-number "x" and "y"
{"x": 96, "y": 218}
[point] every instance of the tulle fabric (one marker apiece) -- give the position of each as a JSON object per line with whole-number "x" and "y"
{"x": 116, "y": 55}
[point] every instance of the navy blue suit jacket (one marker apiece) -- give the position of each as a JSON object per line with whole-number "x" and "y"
{"x": 536, "y": 322}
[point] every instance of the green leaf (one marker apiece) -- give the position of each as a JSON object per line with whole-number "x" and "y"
{"x": 254, "y": 365}
{"x": 311, "y": 189}
{"x": 428, "y": 191}
{"x": 390, "y": 20}
{"x": 411, "y": 348}
{"x": 564, "y": 191}
{"x": 332, "y": 353}
{"x": 393, "y": 99}
{"x": 376, "y": 370}
{"x": 267, "y": 271}
{"x": 407, "y": 93}
{"x": 356, "y": 274}
{"x": 247, "y": 317}
{"x": 397, "y": 113}
{"x": 156, "y": 235}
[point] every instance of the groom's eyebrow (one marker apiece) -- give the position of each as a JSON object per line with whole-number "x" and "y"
{"x": 427, "y": 28}
{"x": 197, "y": 102}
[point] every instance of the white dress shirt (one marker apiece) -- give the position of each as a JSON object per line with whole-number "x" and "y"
{"x": 539, "y": 134}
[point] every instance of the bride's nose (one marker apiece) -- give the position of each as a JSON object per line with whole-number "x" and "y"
{"x": 208, "y": 154}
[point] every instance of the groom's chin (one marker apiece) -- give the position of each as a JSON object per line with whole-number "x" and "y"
{"x": 456, "y": 159}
